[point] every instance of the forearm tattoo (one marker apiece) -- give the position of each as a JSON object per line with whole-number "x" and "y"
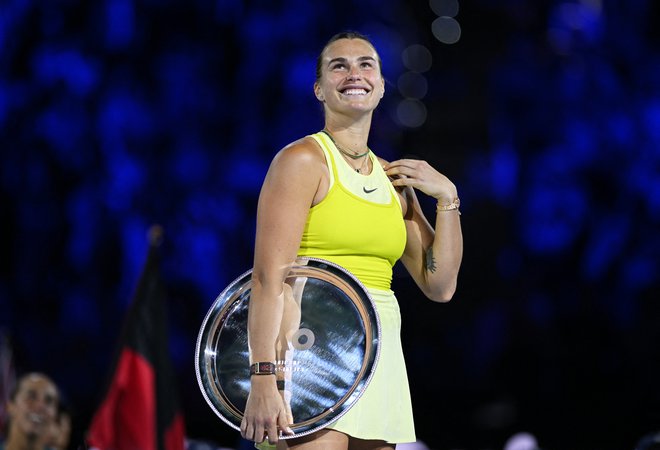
{"x": 430, "y": 260}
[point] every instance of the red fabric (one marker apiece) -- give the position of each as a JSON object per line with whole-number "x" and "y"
{"x": 126, "y": 420}
{"x": 175, "y": 435}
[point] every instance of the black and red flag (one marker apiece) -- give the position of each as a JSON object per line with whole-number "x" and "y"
{"x": 140, "y": 410}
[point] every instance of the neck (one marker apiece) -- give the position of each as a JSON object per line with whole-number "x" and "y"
{"x": 351, "y": 157}
{"x": 350, "y": 144}
{"x": 352, "y": 133}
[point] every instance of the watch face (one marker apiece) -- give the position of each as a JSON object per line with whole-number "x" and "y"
{"x": 327, "y": 348}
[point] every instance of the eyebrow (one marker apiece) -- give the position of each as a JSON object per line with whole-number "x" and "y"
{"x": 342, "y": 59}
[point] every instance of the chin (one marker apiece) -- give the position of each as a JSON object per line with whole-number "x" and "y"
{"x": 363, "y": 108}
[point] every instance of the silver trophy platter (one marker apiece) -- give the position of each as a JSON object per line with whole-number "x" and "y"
{"x": 327, "y": 348}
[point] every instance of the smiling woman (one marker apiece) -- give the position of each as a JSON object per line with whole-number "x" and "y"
{"x": 32, "y": 411}
{"x": 329, "y": 196}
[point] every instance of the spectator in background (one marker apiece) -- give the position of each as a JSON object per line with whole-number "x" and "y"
{"x": 32, "y": 408}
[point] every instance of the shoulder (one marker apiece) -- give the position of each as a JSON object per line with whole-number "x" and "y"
{"x": 303, "y": 153}
{"x": 299, "y": 163}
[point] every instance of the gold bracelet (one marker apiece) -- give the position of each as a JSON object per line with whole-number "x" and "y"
{"x": 450, "y": 207}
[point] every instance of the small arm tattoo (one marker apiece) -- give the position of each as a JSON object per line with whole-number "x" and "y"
{"x": 430, "y": 260}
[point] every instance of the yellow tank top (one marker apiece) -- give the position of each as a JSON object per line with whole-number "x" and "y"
{"x": 359, "y": 224}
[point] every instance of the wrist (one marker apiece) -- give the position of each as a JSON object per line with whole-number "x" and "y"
{"x": 262, "y": 368}
{"x": 263, "y": 384}
{"x": 446, "y": 205}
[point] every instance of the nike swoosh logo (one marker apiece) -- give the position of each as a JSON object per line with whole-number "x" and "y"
{"x": 368, "y": 191}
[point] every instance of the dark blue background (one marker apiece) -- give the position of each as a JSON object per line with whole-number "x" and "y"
{"x": 118, "y": 114}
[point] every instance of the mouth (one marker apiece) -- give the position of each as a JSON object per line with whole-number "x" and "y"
{"x": 36, "y": 419}
{"x": 354, "y": 92}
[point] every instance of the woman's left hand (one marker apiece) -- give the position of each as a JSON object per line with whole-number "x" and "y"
{"x": 421, "y": 175}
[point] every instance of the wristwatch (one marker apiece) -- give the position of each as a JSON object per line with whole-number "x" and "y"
{"x": 262, "y": 368}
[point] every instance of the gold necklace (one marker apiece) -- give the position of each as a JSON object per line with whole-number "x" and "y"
{"x": 362, "y": 168}
{"x": 349, "y": 154}
{"x": 345, "y": 152}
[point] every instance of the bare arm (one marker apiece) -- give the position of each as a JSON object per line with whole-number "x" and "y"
{"x": 286, "y": 196}
{"x": 432, "y": 255}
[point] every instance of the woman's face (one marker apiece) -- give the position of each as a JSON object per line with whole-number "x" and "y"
{"x": 34, "y": 407}
{"x": 350, "y": 78}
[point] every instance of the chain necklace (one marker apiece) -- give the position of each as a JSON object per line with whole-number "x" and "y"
{"x": 362, "y": 168}
{"x": 349, "y": 154}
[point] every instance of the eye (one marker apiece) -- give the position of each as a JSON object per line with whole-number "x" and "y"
{"x": 367, "y": 64}
{"x": 338, "y": 66}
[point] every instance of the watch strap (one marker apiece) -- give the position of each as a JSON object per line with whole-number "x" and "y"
{"x": 262, "y": 368}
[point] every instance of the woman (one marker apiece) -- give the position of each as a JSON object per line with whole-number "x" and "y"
{"x": 32, "y": 408}
{"x": 328, "y": 196}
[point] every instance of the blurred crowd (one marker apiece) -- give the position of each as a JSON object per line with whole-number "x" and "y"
{"x": 122, "y": 113}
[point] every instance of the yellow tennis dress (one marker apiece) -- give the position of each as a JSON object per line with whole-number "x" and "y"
{"x": 359, "y": 226}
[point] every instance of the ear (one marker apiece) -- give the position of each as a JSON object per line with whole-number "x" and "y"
{"x": 318, "y": 93}
{"x": 11, "y": 409}
{"x": 382, "y": 88}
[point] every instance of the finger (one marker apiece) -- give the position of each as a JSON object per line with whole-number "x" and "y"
{"x": 397, "y": 173}
{"x": 259, "y": 434}
{"x": 403, "y": 181}
{"x": 399, "y": 161}
{"x": 410, "y": 163}
{"x": 246, "y": 429}
{"x": 273, "y": 434}
{"x": 402, "y": 169}
{"x": 284, "y": 421}
{"x": 393, "y": 168}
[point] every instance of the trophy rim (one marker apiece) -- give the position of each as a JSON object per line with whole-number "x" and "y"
{"x": 235, "y": 292}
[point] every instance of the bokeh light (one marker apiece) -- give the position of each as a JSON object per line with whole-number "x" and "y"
{"x": 411, "y": 113}
{"x": 448, "y": 8}
{"x": 412, "y": 85}
{"x": 417, "y": 58}
{"x": 446, "y": 30}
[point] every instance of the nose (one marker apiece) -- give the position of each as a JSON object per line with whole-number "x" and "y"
{"x": 43, "y": 404}
{"x": 354, "y": 73}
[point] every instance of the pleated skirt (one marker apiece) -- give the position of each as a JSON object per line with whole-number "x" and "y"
{"x": 384, "y": 411}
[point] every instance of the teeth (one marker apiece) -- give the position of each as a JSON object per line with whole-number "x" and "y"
{"x": 355, "y": 92}
{"x": 35, "y": 418}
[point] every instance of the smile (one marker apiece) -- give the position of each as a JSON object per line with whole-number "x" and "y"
{"x": 35, "y": 418}
{"x": 355, "y": 91}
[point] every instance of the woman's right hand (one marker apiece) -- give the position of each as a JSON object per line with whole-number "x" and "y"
{"x": 265, "y": 412}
